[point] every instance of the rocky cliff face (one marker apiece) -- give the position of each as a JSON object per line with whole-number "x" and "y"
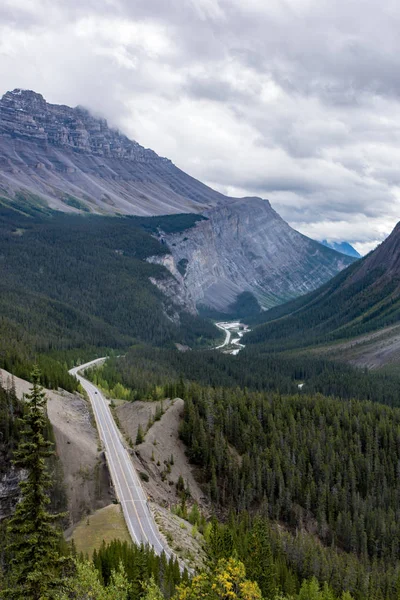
{"x": 9, "y": 492}
{"x": 173, "y": 288}
{"x": 75, "y": 161}
{"x": 246, "y": 246}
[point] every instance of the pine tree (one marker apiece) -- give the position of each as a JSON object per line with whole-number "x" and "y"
{"x": 86, "y": 584}
{"x": 34, "y": 547}
{"x": 152, "y": 591}
{"x": 215, "y": 540}
{"x": 260, "y": 565}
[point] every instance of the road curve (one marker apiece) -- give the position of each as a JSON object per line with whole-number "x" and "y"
{"x": 128, "y": 488}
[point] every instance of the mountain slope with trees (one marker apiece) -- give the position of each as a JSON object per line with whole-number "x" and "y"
{"x": 320, "y": 472}
{"x": 363, "y": 298}
{"x": 73, "y": 282}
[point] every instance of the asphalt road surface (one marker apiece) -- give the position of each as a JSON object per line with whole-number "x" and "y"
{"x": 128, "y": 488}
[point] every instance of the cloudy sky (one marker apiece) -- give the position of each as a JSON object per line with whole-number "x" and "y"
{"x": 297, "y": 101}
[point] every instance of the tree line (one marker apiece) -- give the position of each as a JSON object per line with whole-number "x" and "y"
{"x": 148, "y": 372}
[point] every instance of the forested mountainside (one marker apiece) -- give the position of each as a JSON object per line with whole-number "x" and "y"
{"x": 247, "y": 428}
{"x": 320, "y": 469}
{"x": 296, "y": 525}
{"x": 74, "y": 282}
{"x": 342, "y": 485}
{"x": 361, "y": 299}
{"x": 144, "y": 370}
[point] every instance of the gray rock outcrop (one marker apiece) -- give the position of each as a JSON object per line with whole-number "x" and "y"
{"x": 76, "y": 162}
{"x": 246, "y": 246}
{"x": 9, "y": 492}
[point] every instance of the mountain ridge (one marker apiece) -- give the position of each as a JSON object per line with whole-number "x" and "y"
{"x": 386, "y": 255}
{"x": 361, "y": 299}
{"x": 77, "y": 163}
{"x": 240, "y": 249}
{"x": 343, "y": 247}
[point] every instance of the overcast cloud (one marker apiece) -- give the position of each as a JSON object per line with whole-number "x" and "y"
{"x": 297, "y": 101}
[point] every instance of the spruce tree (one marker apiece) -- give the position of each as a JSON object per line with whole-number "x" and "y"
{"x": 152, "y": 591}
{"x": 260, "y": 565}
{"x": 34, "y": 540}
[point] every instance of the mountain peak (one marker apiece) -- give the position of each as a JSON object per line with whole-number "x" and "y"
{"x": 74, "y": 161}
{"x": 26, "y": 114}
{"x": 21, "y": 94}
{"x": 385, "y": 257}
{"x": 23, "y": 100}
{"x": 343, "y": 247}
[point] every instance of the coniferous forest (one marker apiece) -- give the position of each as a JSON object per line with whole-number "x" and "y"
{"x": 77, "y": 286}
{"x": 321, "y": 469}
{"x": 298, "y": 455}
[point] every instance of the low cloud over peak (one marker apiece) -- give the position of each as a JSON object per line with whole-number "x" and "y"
{"x": 296, "y": 101}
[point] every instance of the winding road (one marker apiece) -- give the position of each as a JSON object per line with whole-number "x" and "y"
{"x": 128, "y": 488}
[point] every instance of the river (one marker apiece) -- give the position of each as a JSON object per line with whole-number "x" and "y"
{"x": 234, "y": 331}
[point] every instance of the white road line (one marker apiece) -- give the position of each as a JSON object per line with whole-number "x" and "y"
{"x": 125, "y": 478}
{"x": 106, "y": 416}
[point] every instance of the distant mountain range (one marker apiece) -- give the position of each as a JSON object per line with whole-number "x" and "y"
{"x": 363, "y": 299}
{"x": 65, "y": 159}
{"x": 343, "y": 247}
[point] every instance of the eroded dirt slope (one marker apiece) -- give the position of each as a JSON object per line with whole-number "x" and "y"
{"x": 154, "y": 454}
{"x": 373, "y": 350}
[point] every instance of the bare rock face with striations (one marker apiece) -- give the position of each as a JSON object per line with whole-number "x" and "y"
{"x": 245, "y": 245}
{"x": 76, "y": 162}
{"x": 27, "y": 115}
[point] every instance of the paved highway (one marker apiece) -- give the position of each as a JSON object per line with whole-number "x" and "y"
{"x": 128, "y": 488}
